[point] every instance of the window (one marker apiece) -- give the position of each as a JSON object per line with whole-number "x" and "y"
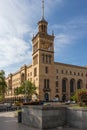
{"x": 35, "y": 72}
{"x": 79, "y": 84}
{"x": 81, "y": 74}
{"x": 56, "y": 83}
{"x": 70, "y": 72}
{"x": 56, "y": 77}
{"x": 43, "y": 58}
{"x": 49, "y": 59}
{"x": 74, "y": 73}
{"x": 66, "y": 72}
{"x": 46, "y": 58}
{"x": 62, "y": 71}
{"x": 71, "y": 86}
{"x": 57, "y": 71}
{"x": 78, "y": 73}
{"x": 30, "y": 73}
{"x": 46, "y": 83}
{"x": 46, "y": 69}
{"x": 86, "y": 86}
{"x": 64, "y": 84}
{"x": 57, "y": 91}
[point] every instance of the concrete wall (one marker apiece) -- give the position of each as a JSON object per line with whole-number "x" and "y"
{"x": 53, "y": 116}
{"x": 44, "y": 116}
{"x": 77, "y": 117}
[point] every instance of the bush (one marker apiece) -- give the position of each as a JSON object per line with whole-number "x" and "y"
{"x": 82, "y": 97}
{"x": 18, "y": 103}
{"x": 74, "y": 98}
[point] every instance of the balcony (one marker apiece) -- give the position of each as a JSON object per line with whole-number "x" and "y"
{"x": 46, "y": 89}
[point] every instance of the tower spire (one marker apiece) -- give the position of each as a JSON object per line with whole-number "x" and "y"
{"x": 43, "y": 9}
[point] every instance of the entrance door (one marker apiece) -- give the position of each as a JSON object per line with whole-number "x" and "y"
{"x": 64, "y": 97}
{"x": 46, "y": 96}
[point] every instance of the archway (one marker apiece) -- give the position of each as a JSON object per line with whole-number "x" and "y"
{"x": 64, "y": 89}
{"x": 64, "y": 97}
{"x": 72, "y": 85}
{"x": 64, "y": 85}
{"x": 79, "y": 84}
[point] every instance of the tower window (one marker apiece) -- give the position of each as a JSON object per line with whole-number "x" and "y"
{"x": 46, "y": 69}
{"x": 56, "y": 77}
{"x": 57, "y": 91}
{"x": 46, "y": 83}
{"x": 49, "y": 59}
{"x": 35, "y": 72}
{"x": 42, "y": 28}
{"x": 46, "y": 58}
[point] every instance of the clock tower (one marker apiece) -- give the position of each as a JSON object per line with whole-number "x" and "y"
{"x": 43, "y": 58}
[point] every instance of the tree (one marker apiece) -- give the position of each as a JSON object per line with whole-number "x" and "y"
{"x": 27, "y": 88}
{"x": 80, "y": 96}
{"x": 3, "y": 85}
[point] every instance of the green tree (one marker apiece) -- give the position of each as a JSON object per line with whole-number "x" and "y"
{"x": 27, "y": 88}
{"x": 3, "y": 85}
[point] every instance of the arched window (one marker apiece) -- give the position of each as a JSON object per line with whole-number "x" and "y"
{"x": 79, "y": 84}
{"x": 71, "y": 85}
{"x": 64, "y": 83}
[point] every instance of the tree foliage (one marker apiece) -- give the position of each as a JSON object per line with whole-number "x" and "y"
{"x": 80, "y": 96}
{"x": 27, "y": 88}
{"x": 3, "y": 85}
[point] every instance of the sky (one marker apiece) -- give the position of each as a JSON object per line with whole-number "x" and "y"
{"x": 18, "y": 23}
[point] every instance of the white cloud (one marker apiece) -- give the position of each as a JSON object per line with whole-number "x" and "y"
{"x": 69, "y": 33}
{"x": 13, "y": 27}
{"x": 13, "y": 50}
{"x": 18, "y": 19}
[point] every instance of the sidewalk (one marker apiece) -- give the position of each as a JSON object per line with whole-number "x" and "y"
{"x": 9, "y": 122}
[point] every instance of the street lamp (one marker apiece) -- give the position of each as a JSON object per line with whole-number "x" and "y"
{"x": 25, "y": 92}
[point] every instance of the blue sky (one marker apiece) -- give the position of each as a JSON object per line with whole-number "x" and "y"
{"x": 18, "y": 23}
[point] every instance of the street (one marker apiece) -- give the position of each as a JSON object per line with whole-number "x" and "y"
{"x": 9, "y": 122}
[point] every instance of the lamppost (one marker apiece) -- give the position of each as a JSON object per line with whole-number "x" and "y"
{"x": 25, "y": 92}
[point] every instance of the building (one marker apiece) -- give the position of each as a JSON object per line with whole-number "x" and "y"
{"x": 51, "y": 78}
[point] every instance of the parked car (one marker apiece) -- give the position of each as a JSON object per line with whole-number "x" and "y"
{"x": 8, "y": 105}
